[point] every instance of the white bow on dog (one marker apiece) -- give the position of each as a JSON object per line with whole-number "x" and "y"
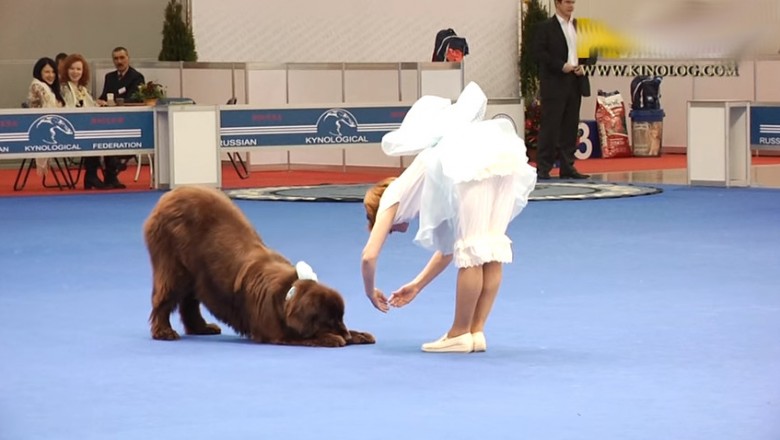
{"x": 305, "y": 272}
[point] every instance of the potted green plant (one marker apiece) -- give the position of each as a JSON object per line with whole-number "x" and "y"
{"x": 149, "y": 92}
{"x": 533, "y": 13}
{"x": 178, "y": 42}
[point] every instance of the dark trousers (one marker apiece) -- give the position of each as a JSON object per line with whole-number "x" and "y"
{"x": 558, "y": 129}
{"x": 112, "y": 165}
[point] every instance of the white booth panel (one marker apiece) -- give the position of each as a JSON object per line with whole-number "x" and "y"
{"x": 767, "y": 74}
{"x": 267, "y": 87}
{"x": 194, "y": 135}
{"x": 706, "y": 142}
{"x": 718, "y": 143}
{"x": 162, "y": 150}
{"x": 314, "y": 86}
{"x": 208, "y": 86}
{"x": 739, "y": 146}
{"x": 369, "y": 86}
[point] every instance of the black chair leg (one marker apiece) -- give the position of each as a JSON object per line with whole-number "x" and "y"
{"x": 57, "y": 168}
{"x": 17, "y": 185}
{"x": 239, "y": 165}
{"x": 62, "y": 167}
{"x": 79, "y": 166}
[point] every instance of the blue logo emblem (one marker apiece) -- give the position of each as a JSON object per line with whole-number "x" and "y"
{"x": 337, "y": 123}
{"x": 51, "y": 130}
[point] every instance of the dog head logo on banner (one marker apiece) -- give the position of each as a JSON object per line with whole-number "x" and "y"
{"x": 338, "y": 126}
{"x": 51, "y": 130}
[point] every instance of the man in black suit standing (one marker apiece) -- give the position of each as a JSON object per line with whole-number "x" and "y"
{"x": 122, "y": 83}
{"x": 563, "y": 83}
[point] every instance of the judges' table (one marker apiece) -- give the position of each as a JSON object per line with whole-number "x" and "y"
{"x": 31, "y": 134}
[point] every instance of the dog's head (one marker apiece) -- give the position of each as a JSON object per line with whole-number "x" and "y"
{"x": 315, "y": 309}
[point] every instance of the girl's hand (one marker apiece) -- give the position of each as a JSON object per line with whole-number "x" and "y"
{"x": 404, "y": 295}
{"x": 379, "y": 301}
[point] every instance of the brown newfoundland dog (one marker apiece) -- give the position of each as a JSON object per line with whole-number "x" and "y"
{"x": 204, "y": 250}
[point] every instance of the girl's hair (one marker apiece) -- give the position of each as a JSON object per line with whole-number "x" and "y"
{"x": 371, "y": 200}
{"x": 67, "y": 62}
{"x": 54, "y": 86}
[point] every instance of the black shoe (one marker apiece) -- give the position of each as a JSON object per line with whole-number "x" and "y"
{"x": 574, "y": 175}
{"x": 114, "y": 184}
{"x": 112, "y": 181}
{"x": 93, "y": 182}
{"x": 542, "y": 176}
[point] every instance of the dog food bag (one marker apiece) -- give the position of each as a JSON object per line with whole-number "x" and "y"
{"x": 611, "y": 123}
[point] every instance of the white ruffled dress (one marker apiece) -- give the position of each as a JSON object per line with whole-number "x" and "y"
{"x": 469, "y": 180}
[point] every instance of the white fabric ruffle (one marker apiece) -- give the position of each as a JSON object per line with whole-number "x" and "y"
{"x": 477, "y": 177}
{"x": 477, "y": 251}
{"x": 432, "y": 117}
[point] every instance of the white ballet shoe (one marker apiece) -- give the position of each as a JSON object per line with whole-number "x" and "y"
{"x": 460, "y": 344}
{"x": 480, "y": 343}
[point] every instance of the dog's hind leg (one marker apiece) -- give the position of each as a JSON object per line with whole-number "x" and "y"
{"x": 194, "y": 324}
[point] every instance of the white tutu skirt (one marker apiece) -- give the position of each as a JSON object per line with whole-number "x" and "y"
{"x": 477, "y": 176}
{"x": 477, "y": 181}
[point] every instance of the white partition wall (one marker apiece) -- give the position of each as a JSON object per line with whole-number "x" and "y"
{"x": 718, "y": 143}
{"x": 300, "y": 85}
{"x": 370, "y": 83}
{"x": 739, "y": 87}
{"x": 266, "y": 84}
{"x": 208, "y": 83}
{"x": 437, "y": 79}
{"x": 361, "y": 31}
{"x": 767, "y": 71}
{"x": 410, "y": 89}
{"x": 314, "y": 83}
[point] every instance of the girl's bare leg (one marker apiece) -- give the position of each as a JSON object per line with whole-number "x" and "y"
{"x": 468, "y": 290}
{"x": 491, "y": 280}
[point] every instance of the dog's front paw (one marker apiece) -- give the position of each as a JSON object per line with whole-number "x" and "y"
{"x": 208, "y": 329}
{"x": 165, "y": 334}
{"x": 330, "y": 340}
{"x": 361, "y": 338}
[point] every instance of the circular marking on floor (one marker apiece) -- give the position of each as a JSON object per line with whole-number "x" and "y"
{"x": 355, "y": 192}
